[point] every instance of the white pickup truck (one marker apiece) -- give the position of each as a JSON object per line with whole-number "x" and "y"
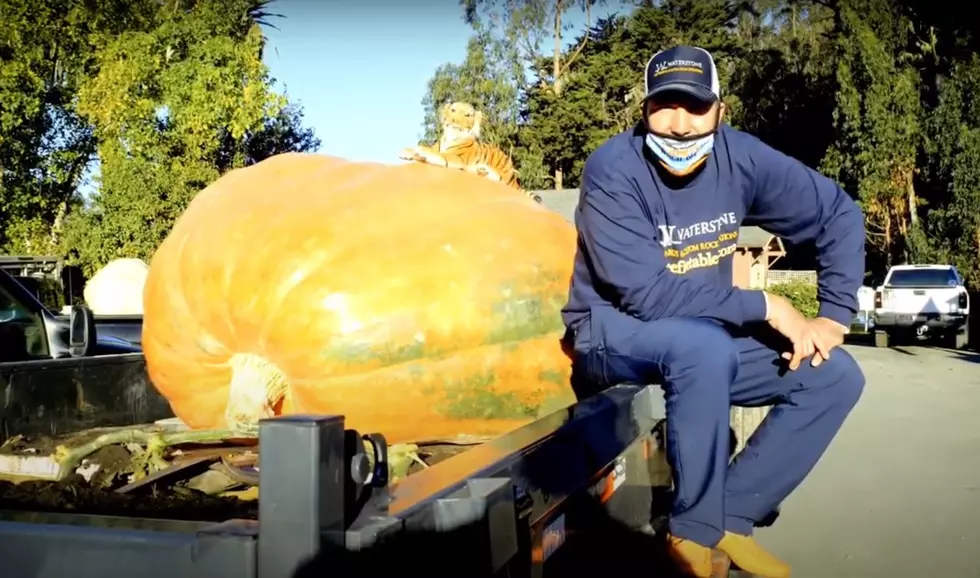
{"x": 922, "y": 300}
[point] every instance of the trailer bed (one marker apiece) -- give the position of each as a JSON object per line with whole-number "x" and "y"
{"x": 194, "y": 485}
{"x": 532, "y": 500}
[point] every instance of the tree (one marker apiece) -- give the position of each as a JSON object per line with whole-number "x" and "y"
{"x": 878, "y": 121}
{"x": 525, "y": 27}
{"x": 783, "y": 82}
{"x": 953, "y": 148}
{"x": 596, "y": 102}
{"x": 877, "y": 94}
{"x": 173, "y": 106}
{"x": 160, "y": 96}
{"x": 45, "y": 146}
{"x": 602, "y": 94}
{"x": 482, "y": 81}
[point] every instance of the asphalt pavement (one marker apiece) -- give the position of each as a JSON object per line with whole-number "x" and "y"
{"x": 898, "y": 492}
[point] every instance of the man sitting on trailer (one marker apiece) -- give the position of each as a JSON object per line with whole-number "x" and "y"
{"x": 651, "y": 300}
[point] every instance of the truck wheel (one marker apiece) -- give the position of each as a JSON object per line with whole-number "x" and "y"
{"x": 881, "y": 339}
{"x": 745, "y": 420}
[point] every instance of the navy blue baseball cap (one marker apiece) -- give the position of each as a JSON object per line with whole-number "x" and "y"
{"x": 683, "y": 68}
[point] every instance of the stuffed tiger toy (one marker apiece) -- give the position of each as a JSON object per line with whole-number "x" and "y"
{"x": 460, "y": 148}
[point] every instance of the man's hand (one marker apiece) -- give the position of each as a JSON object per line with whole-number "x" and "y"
{"x": 785, "y": 319}
{"x": 809, "y": 337}
{"x": 829, "y": 334}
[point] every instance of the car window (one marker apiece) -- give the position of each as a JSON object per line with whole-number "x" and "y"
{"x": 12, "y": 310}
{"x": 22, "y": 333}
{"x": 923, "y": 278}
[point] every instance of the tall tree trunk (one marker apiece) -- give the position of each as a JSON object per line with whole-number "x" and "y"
{"x": 556, "y": 73}
{"x": 888, "y": 243}
{"x": 55, "y": 238}
{"x": 913, "y": 202}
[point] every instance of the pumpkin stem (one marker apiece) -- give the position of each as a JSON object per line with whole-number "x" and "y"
{"x": 257, "y": 387}
{"x": 69, "y": 458}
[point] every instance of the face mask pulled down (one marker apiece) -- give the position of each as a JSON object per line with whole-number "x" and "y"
{"x": 680, "y": 156}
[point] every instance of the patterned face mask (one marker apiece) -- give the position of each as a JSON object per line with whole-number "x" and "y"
{"x": 681, "y": 156}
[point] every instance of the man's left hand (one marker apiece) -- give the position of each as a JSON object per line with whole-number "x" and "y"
{"x": 826, "y": 334}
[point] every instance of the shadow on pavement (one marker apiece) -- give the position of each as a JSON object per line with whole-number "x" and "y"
{"x": 866, "y": 340}
{"x": 970, "y": 356}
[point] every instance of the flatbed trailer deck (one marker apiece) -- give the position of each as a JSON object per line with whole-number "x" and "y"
{"x": 557, "y": 495}
{"x": 558, "y": 469}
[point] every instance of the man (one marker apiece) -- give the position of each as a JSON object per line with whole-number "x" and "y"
{"x": 651, "y": 300}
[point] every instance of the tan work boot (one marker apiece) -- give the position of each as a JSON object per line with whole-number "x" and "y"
{"x": 748, "y": 555}
{"x": 691, "y": 558}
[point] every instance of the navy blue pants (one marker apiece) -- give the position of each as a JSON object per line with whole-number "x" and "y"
{"x": 705, "y": 369}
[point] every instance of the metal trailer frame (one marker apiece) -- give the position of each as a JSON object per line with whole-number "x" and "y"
{"x": 555, "y": 495}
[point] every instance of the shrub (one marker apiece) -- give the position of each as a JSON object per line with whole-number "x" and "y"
{"x": 803, "y": 296}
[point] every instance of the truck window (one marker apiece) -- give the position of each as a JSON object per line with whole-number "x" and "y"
{"x": 923, "y": 278}
{"x": 22, "y": 333}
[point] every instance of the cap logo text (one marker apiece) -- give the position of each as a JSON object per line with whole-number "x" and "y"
{"x": 678, "y": 65}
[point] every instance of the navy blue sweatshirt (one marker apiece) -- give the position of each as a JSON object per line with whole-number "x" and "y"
{"x": 655, "y": 252}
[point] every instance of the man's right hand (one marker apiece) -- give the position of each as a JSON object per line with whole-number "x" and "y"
{"x": 785, "y": 319}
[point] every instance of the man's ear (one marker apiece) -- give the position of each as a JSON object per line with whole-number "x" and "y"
{"x": 722, "y": 109}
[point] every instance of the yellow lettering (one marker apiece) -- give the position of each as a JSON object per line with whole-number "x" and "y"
{"x": 709, "y": 256}
{"x": 709, "y": 245}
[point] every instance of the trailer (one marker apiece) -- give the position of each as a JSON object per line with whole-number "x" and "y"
{"x": 558, "y": 494}
{"x": 584, "y": 488}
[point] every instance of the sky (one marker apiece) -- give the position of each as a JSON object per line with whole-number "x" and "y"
{"x": 359, "y": 68}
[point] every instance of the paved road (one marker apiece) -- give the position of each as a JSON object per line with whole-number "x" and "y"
{"x": 898, "y": 493}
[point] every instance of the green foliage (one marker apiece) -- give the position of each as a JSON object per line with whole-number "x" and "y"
{"x": 51, "y": 294}
{"x": 783, "y": 86}
{"x": 45, "y": 51}
{"x": 954, "y": 224}
{"x": 482, "y": 81}
{"x": 164, "y": 96}
{"x": 167, "y": 104}
{"x": 878, "y": 94}
{"x": 878, "y": 120}
{"x": 803, "y": 296}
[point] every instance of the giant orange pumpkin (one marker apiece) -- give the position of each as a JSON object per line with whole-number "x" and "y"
{"x": 417, "y": 301}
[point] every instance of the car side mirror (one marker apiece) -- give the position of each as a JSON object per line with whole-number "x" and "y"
{"x": 81, "y": 331}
